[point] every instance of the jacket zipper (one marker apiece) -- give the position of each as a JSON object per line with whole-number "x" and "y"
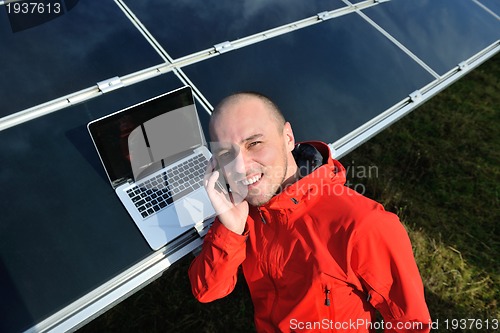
{"x": 261, "y": 216}
{"x": 272, "y": 262}
{"x": 327, "y": 296}
{"x": 271, "y": 315}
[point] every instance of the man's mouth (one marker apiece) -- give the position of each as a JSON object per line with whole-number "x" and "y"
{"x": 251, "y": 180}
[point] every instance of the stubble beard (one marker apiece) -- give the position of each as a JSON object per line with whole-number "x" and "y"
{"x": 260, "y": 199}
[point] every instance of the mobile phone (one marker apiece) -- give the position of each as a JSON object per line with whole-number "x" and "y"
{"x": 221, "y": 182}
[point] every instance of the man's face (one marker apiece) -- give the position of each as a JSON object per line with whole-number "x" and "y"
{"x": 253, "y": 151}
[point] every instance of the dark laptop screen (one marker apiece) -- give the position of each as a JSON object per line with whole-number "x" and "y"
{"x": 149, "y": 132}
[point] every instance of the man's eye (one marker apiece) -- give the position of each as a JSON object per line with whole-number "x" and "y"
{"x": 224, "y": 155}
{"x": 254, "y": 143}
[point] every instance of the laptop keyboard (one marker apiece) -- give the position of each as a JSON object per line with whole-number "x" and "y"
{"x": 163, "y": 189}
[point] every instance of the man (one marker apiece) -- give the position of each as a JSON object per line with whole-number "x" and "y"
{"x": 316, "y": 255}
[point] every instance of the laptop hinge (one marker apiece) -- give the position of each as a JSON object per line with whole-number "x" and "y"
{"x": 172, "y": 159}
{"x": 118, "y": 182}
{"x": 198, "y": 149}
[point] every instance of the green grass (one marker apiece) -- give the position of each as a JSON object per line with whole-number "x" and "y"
{"x": 438, "y": 169}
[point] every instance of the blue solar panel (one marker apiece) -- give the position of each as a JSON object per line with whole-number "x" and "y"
{"x": 441, "y": 33}
{"x": 334, "y": 75}
{"x": 87, "y": 44}
{"x": 490, "y": 5}
{"x": 71, "y": 243}
{"x": 184, "y": 27}
{"x": 317, "y": 98}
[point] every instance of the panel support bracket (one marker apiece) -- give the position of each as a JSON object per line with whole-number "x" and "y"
{"x": 416, "y": 96}
{"x": 110, "y": 84}
{"x": 463, "y": 65}
{"x": 323, "y": 16}
{"x": 223, "y": 47}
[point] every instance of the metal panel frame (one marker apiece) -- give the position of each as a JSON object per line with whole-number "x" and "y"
{"x": 362, "y": 134}
{"x": 105, "y": 296}
{"x": 123, "y": 285}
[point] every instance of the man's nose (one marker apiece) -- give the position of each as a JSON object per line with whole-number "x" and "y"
{"x": 240, "y": 163}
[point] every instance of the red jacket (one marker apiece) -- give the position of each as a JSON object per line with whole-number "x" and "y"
{"x": 318, "y": 257}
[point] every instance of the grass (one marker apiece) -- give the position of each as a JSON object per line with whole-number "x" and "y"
{"x": 438, "y": 169}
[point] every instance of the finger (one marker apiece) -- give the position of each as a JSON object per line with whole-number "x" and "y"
{"x": 209, "y": 170}
{"x": 236, "y": 198}
{"x": 210, "y": 166}
{"x": 210, "y": 179}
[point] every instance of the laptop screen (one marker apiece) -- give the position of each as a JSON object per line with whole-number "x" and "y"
{"x": 147, "y": 134}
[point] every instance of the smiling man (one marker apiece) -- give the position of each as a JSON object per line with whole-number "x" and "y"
{"x": 316, "y": 255}
{"x": 255, "y": 154}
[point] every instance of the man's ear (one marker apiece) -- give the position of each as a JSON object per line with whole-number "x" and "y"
{"x": 288, "y": 136}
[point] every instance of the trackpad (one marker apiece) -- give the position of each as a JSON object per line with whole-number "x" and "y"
{"x": 193, "y": 208}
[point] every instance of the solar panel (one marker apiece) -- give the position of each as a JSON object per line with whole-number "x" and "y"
{"x": 340, "y": 70}
{"x": 491, "y": 6}
{"x": 440, "y": 33}
{"x": 67, "y": 54}
{"x": 348, "y": 77}
{"x": 184, "y": 27}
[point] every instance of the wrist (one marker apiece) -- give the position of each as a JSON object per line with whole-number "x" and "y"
{"x": 239, "y": 230}
{"x": 223, "y": 236}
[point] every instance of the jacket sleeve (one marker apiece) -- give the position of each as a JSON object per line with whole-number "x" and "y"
{"x": 213, "y": 273}
{"x": 384, "y": 262}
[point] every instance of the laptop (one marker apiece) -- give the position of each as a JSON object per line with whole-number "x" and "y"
{"x": 155, "y": 155}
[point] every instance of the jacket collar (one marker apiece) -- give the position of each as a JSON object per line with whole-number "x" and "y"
{"x": 331, "y": 172}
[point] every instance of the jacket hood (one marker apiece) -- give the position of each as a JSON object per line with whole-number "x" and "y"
{"x": 331, "y": 172}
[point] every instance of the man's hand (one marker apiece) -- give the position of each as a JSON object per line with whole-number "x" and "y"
{"x": 231, "y": 208}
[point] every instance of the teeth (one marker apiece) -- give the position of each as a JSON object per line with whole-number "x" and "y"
{"x": 250, "y": 181}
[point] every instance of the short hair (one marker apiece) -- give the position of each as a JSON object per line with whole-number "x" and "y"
{"x": 275, "y": 111}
